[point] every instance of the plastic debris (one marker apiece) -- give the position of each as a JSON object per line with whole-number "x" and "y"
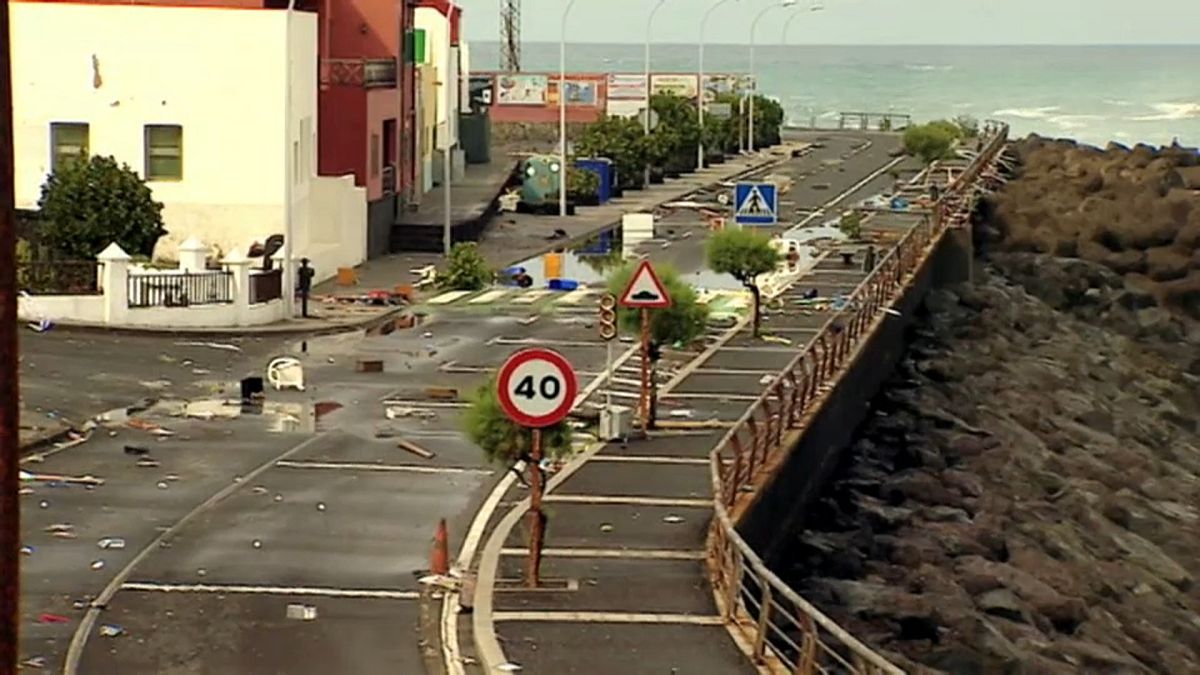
{"x": 211, "y": 345}
{"x": 320, "y": 506}
{"x": 34, "y": 662}
{"x": 113, "y": 543}
{"x": 257, "y": 543}
{"x": 605, "y": 527}
{"x": 97, "y": 564}
{"x": 44, "y": 504}
{"x": 41, "y": 325}
{"x": 55, "y": 528}
{"x": 673, "y": 519}
{"x": 201, "y": 572}
{"x": 684, "y": 413}
{"x": 59, "y": 478}
{"x": 47, "y": 617}
{"x": 259, "y": 490}
{"x": 508, "y": 667}
{"x": 278, "y": 498}
{"x": 136, "y": 450}
{"x": 111, "y": 630}
{"x": 27, "y": 550}
{"x": 299, "y": 612}
{"x": 162, "y": 485}
{"x": 148, "y": 463}
{"x": 777, "y": 340}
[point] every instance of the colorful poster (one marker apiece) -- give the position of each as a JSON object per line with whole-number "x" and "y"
{"x": 679, "y": 85}
{"x": 626, "y": 87}
{"x": 521, "y": 89}
{"x": 579, "y": 92}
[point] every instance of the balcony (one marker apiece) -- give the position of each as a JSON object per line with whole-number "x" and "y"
{"x": 366, "y": 73}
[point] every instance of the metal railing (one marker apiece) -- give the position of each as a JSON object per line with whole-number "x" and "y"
{"x": 785, "y": 633}
{"x": 180, "y": 290}
{"x": 389, "y": 180}
{"x": 366, "y": 73}
{"x": 266, "y": 286}
{"x": 58, "y": 277}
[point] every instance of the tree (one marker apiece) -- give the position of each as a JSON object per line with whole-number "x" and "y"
{"x": 88, "y": 204}
{"x": 466, "y": 270}
{"x": 679, "y": 324}
{"x": 583, "y": 185}
{"x": 621, "y": 139}
{"x": 744, "y": 255}
{"x": 505, "y": 442}
{"x": 850, "y": 225}
{"x": 677, "y": 122}
{"x": 932, "y": 141}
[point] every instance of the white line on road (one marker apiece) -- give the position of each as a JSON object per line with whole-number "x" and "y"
{"x": 621, "y": 553}
{"x": 628, "y": 501}
{"x": 650, "y": 459}
{"x": 610, "y": 617}
{"x": 272, "y": 590}
{"x": 367, "y": 466}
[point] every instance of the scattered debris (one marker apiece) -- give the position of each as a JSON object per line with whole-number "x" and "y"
{"x": 766, "y": 379}
{"x": 162, "y": 485}
{"x": 320, "y": 506}
{"x": 136, "y": 450}
{"x": 259, "y": 490}
{"x": 46, "y": 617}
{"x": 682, "y": 413}
{"x": 44, "y": 504}
{"x": 111, "y": 630}
{"x": 397, "y": 412}
{"x": 97, "y": 564}
{"x": 441, "y": 393}
{"x": 508, "y": 667}
{"x": 368, "y": 366}
{"x": 300, "y": 612}
{"x": 34, "y": 662}
{"x": 286, "y": 372}
{"x": 111, "y": 543}
{"x": 606, "y": 527}
{"x": 144, "y": 425}
{"x": 673, "y": 519}
{"x": 27, "y": 550}
{"x": 211, "y": 345}
{"x": 257, "y": 543}
{"x": 148, "y": 463}
{"x": 441, "y": 581}
{"x": 529, "y": 319}
{"x": 41, "y": 325}
{"x": 277, "y": 498}
{"x": 777, "y": 340}
{"x": 415, "y": 449}
{"x": 27, "y": 476}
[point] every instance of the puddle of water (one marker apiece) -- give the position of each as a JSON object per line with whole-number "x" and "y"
{"x": 588, "y": 263}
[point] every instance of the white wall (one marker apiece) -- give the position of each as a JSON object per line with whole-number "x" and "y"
{"x": 219, "y": 73}
{"x": 338, "y": 232}
{"x": 437, "y": 39}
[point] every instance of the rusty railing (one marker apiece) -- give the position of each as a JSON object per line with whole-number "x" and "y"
{"x": 784, "y": 632}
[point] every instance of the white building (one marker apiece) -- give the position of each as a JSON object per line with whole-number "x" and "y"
{"x": 194, "y": 100}
{"x": 441, "y": 22}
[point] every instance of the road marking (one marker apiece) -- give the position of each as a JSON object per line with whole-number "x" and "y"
{"x": 530, "y": 297}
{"x": 447, "y": 298}
{"x": 574, "y": 297}
{"x": 543, "y": 341}
{"x": 489, "y": 297}
{"x": 367, "y": 466}
{"x": 629, "y": 501}
{"x": 650, "y": 459}
{"x": 701, "y": 396}
{"x": 272, "y": 590}
{"x": 422, "y": 403}
{"x": 611, "y": 617}
{"x": 611, "y": 553}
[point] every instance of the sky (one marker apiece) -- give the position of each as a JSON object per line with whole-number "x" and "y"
{"x": 889, "y": 22}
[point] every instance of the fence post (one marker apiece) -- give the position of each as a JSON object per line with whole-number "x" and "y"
{"x": 192, "y": 256}
{"x": 114, "y": 280}
{"x": 764, "y": 621}
{"x": 238, "y": 265}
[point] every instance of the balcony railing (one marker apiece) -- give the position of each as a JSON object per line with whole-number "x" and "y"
{"x": 367, "y": 73}
{"x": 180, "y": 290}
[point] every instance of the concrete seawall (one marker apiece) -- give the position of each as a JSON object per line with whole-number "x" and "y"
{"x": 784, "y": 501}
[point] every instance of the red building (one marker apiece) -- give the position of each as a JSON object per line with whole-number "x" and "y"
{"x": 366, "y": 114}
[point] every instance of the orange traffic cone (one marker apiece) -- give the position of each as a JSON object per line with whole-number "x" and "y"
{"x": 439, "y": 560}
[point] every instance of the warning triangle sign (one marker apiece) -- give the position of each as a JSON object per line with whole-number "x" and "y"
{"x": 754, "y": 204}
{"x": 645, "y": 291}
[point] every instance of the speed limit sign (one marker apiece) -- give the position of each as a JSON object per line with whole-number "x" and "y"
{"x": 536, "y": 387}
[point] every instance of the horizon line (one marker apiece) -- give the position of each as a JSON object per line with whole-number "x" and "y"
{"x": 873, "y": 45}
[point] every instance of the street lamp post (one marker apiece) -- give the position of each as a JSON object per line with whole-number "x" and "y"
{"x": 448, "y": 142}
{"x": 753, "y": 77}
{"x": 646, "y": 111}
{"x": 562, "y": 113}
{"x": 700, "y": 85}
{"x": 289, "y": 171}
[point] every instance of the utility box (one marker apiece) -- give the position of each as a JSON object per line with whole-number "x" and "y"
{"x": 616, "y": 423}
{"x": 475, "y": 136}
{"x": 602, "y": 167}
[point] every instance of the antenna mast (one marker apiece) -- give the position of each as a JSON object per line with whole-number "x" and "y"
{"x": 510, "y": 35}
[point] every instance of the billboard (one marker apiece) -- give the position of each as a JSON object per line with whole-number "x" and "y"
{"x": 679, "y": 85}
{"x": 724, "y": 83}
{"x": 626, "y": 87}
{"x": 516, "y": 89}
{"x": 579, "y": 92}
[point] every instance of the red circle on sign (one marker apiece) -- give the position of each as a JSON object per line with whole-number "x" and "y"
{"x": 537, "y": 410}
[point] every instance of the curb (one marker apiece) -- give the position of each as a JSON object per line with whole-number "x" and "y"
{"x": 316, "y": 329}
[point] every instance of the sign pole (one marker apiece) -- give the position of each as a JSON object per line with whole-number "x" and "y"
{"x": 536, "y": 519}
{"x": 645, "y": 398}
{"x": 608, "y": 369}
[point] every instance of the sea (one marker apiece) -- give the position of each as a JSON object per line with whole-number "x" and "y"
{"x": 1094, "y": 94}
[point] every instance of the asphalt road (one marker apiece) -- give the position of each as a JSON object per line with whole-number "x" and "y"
{"x": 348, "y": 512}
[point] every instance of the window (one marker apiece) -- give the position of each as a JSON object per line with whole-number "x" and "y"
{"x": 164, "y": 152}
{"x": 68, "y": 140}
{"x": 374, "y": 155}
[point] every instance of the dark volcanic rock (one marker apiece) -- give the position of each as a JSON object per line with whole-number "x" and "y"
{"x": 1026, "y": 497}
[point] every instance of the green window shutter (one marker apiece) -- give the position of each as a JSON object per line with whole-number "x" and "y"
{"x": 418, "y": 42}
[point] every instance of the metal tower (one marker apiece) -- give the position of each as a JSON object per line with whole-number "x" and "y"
{"x": 510, "y": 35}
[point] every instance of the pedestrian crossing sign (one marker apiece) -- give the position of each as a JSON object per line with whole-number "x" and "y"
{"x": 756, "y": 204}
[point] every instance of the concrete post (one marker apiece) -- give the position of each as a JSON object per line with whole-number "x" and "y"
{"x": 238, "y": 265}
{"x": 114, "y": 280}
{"x": 192, "y": 255}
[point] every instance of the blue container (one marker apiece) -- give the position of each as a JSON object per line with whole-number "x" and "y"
{"x": 562, "y": 284}
{"x": 602, "y": 167}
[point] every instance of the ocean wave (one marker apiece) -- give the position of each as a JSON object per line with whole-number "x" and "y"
{"x": 1070, "y": 122}
{"x": 1119, "y": 102}
{"x": 1028, "y": 113}
{"x": 928, "y": 68}
{"x": 1170, "y": 111}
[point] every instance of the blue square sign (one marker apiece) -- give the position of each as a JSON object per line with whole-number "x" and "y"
{"x": 755, "y": 204}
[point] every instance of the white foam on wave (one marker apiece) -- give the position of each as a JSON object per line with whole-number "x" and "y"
{"x": 1170, "y": 111}
{"x": 928, "y": 68}
{"x": 1028, "y": 113}
{"x": 1070, "y": 122}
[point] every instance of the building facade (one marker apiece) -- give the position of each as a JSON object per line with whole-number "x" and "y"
{"x": 224, "y": 131}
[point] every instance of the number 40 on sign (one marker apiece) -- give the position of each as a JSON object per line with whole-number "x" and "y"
{"x": 536, "y": 387}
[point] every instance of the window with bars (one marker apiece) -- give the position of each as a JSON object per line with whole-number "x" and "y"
{"x": 68, "y": 141}
{"x": 164, "y": 152}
